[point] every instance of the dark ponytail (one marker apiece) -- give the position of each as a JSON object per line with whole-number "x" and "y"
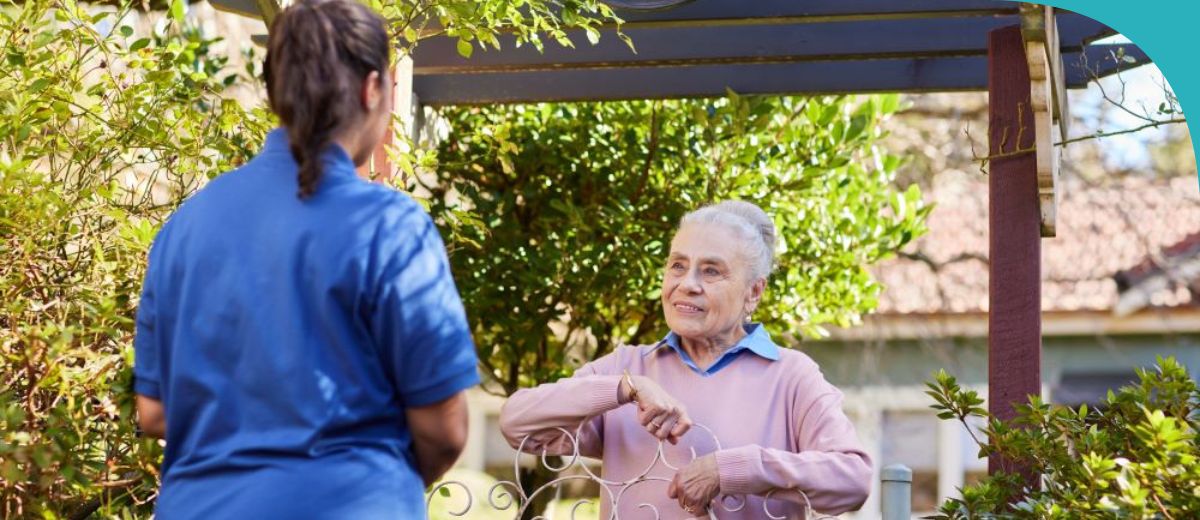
{"x": 319, "y": 53}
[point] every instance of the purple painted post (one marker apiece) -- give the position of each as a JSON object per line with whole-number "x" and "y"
{"x": 1014, "y": 287}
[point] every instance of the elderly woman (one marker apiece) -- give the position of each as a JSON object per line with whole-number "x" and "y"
{"x": 780, "y": 425}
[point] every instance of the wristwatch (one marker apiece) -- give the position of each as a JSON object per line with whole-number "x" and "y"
{"x": 632, "y": 389}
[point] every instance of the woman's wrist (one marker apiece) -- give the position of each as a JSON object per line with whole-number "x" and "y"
{"x": 627, "y": 389}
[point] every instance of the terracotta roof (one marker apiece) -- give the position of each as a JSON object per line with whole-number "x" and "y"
{"x": 1103, "y": 232}
{"x": 1187, "y": 248}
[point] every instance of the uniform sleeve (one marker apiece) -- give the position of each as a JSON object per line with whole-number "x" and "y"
{"x": 147, "y": 344}
{"x": 417, "y": 318}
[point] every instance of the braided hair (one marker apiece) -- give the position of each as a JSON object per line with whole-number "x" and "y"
{"x": 318, "y": 55}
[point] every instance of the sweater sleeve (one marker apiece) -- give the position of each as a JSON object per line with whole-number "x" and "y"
{"x": 538, "y": 413}
{"x": 831, "y": 467}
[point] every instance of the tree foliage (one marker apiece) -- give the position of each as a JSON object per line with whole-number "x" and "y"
{"x": 102, "y": 132}
{"x": 572, "y": 208}
{"x": 1134, "y": 456}
{"x": 481, "y": 24}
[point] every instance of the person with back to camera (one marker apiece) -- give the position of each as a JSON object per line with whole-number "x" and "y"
{"x": 780, "y": 424}
{"x": 300, "y": 343}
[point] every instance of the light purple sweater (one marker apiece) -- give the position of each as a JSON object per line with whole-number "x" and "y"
{"x": 780, "y": 427}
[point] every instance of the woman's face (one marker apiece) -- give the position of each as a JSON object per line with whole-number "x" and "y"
{"x": 707, "y": 290}
{"x": 377, "y": 104}
{"x": 381, "y": 115}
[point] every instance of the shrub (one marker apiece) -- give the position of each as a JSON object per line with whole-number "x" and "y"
{"x": 1134, "y": 456}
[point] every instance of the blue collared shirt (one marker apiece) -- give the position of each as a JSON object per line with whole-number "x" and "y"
{"x": 287, "y": 337}
{"x": 757, "y": 341}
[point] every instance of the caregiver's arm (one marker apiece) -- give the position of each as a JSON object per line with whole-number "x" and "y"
{"x": 439, "y": 434}
{"x": 150, "y": 417}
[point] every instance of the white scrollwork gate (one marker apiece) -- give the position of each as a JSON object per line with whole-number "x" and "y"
{"x": 510, "y": 495}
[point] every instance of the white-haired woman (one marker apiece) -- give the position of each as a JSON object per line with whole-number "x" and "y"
{"x": 779, "y": 424}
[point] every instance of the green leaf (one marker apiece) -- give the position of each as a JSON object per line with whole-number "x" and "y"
{"x": 160, "y": 75}
{"x": 178, "y": 10}
{"x": 465, "y": 49}
{"x": 38, "y": 85}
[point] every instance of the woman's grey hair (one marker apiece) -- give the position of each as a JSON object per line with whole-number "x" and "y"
{"x": 754, "y": 228}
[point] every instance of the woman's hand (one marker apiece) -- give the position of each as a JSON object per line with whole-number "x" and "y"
{"x": 696, "y": 485}
{"x": 662, "y": 415}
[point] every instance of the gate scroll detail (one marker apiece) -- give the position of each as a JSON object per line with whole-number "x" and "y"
{"x": 511, "y": 495}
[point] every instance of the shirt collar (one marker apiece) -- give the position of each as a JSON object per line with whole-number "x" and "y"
{"x": 757, "y": 340}
{"x": 334, "y": 158}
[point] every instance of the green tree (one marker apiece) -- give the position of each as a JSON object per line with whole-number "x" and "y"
{"x": 571, "y": 207}
{"x": 102, "y": 132}
{"x": 477, "y": 23}
{"x": 1134, "y": 456}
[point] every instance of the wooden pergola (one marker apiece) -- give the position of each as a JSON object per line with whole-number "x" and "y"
{"x": 1026, "y": 56}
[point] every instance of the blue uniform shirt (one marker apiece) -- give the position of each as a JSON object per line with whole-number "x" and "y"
{"x": 286, "y": 337}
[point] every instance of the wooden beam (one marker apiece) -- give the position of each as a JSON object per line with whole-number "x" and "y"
{"x": 876, "y": 39}
{"x": 804, "y": 78}
{"x": 900, "y": 75}
{"x": 719, "y": 12}
{"x": 247, "y": 8}
{"x": 1039, "y": 32}
{"x": 1014, "y": 241}
{"x": 1098, "y": 61}
{"x": 736, "y": 12}
{"x": 269, "y": 10}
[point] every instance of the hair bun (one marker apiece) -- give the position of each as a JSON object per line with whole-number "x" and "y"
{"x": 754, "y": 228}
{"x": 754, "y": 215}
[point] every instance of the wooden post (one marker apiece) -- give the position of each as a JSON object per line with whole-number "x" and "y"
{"x": 1014, "y": 286}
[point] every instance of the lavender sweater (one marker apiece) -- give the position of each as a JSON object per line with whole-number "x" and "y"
{"x": 779, "y": 424}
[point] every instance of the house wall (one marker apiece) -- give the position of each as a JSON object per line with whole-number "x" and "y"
{"x": 884, "y": 386}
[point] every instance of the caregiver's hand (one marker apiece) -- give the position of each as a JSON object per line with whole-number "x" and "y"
{"x": 662, "y": 415}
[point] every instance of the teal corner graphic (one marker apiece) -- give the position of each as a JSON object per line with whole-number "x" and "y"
{"x": 1163, "y": 30}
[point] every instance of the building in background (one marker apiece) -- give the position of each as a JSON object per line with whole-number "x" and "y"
{"x": 1119, "y": 286}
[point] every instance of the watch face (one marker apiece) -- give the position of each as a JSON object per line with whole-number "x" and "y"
{"x": 644, "y": 5}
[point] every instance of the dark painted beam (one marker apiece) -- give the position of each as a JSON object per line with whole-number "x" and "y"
{"x": 818, "y": 77}
{"x": 787, "y": 11}
{"x": 751, "y": 43}
{"x": 247, "y": 8}
{"x": 718, "y": 12}
{"x": 1014, "y": 241}
{"x": 1099, "y": 61}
